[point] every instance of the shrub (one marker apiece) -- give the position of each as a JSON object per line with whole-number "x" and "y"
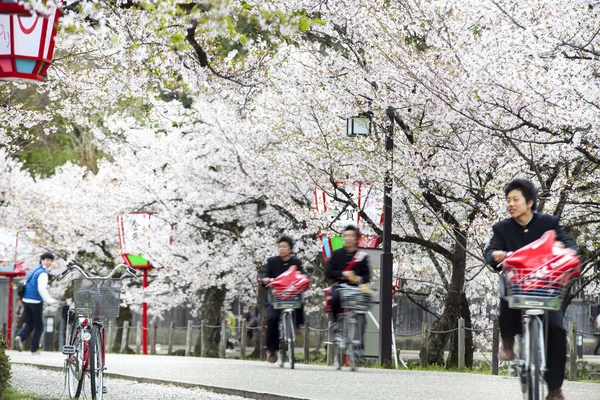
{"x": 4, "y": 367}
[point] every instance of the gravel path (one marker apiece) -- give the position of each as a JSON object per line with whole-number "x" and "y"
{"x": 50, "y": 385}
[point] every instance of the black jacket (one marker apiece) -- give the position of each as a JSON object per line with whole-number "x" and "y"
{"x": 509, "y": 235}
{"x": 275, "y": 266}
{"x": 340, "y": 258}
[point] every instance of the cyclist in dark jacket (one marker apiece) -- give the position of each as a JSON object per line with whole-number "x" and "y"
{"x": 274, "y": 267}
{"x": 360, "y": 273}
{"x": 523, "y": 227}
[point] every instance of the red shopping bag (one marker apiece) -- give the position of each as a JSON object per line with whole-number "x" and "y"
{"x": 290, "y": 283}
{"x": 542, "y": 264}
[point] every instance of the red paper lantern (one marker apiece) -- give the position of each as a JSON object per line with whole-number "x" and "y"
{"x": 26, "y": 43}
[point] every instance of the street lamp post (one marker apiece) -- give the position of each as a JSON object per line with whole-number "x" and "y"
{"x": 386, "y": 269}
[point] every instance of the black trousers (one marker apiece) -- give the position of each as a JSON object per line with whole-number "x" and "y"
{"x": 33, "y": 321}
{"x": 597, "y": 345}
{"x": 511, "y": 324}
{"x": 273, "y": 316}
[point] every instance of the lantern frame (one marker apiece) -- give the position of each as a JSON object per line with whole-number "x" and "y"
{"x": 137, "y": 261}
{"x": 22, "y": 62}
{"x": 13, "y": 8}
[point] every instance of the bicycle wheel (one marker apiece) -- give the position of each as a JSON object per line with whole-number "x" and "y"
{"x": 338, "y": 346}
{"x": 74, "y": 365}
{"x": 354, "y": 350}
{"x": 534, "y": 382}
{"x": 290, "y": 338}
{"x": 282, "y": 341}
{"x": 351, "y": 346}
{"x": 96, "y": 364}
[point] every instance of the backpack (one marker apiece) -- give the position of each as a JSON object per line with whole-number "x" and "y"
{"x": 21, "y": 290}
{"x": 22, "y": 285}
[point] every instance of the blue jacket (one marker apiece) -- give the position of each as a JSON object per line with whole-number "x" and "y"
{"x": 31, "y": 283}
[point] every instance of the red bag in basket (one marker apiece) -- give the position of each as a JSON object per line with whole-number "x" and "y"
{"x": 290, "y": 283}
{"x": 541, "y": 261}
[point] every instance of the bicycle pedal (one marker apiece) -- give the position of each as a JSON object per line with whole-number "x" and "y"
{"x": 68, "y": 350}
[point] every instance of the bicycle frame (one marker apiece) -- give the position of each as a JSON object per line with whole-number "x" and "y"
{"x": 287, "y": 337}
{"x": 85, "y": 351}
{"x": 351, "y": 337}
{"x": 530, "y": 369}
{"x": 83, "y": 325}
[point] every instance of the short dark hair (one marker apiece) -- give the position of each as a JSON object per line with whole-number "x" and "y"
{"x": 286, "y": 239}
{"x": 47, "y": 255}
{"x": 526, "y": 187}
{"x": 352, "y": 228}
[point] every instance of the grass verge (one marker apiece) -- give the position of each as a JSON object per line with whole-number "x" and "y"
{"x": 13, "y": 394}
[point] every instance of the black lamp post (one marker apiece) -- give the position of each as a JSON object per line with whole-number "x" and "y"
{"x": 386, "y": 268}
{"x": 361, "y": 125}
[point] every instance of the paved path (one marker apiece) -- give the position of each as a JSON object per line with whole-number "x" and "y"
{"x": 261, "y": 380}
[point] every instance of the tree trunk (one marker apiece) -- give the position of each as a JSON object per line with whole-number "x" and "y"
{"x": 453, "y": 356}
{"x": 456, "y": 306}
{"x": 124, "y": 315}
{"x": 261, "y": 339}
{"x": 212, "y": 313}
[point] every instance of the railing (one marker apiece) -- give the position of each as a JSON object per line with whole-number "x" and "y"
{"x": 190, "y": 330}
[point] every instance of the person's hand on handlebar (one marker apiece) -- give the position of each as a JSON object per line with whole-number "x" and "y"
{"x": 499, "y": 255}
{"x": 266, "y": 281}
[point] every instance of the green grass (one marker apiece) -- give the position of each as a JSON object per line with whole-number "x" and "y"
{"x": 13, "y": 394}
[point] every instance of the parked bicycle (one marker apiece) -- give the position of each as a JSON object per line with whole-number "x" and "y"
{"x": 534, "y": 279}
{"x": 348, "y": 341}
{"x": 96, "y": 298}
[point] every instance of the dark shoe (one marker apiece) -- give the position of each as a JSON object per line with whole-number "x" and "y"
{"x": 18, "y": 344}
{"x": 271, "y": 357}
{"x": 507, "y": 352}
{"x": 555, "y": 394}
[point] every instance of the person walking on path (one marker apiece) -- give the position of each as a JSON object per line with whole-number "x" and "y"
{"x": 36, "y": 293}
{"x": 597, "y": 335}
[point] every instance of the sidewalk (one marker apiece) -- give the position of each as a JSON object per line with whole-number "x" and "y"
{"x": 261, "y": 380}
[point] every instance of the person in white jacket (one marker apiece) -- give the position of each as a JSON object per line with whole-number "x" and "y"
{"x": 36, "y": 293}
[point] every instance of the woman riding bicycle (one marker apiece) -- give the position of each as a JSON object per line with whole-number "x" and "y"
{"x": 522, "y": 228}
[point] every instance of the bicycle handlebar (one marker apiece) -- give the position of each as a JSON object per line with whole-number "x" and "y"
{"x": 72, "y": 265}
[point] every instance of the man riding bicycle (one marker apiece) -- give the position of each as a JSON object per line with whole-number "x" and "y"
{"x": 347, "y": 265}
{"x": 522, "y": 228}
{"x": 274, "y": 267}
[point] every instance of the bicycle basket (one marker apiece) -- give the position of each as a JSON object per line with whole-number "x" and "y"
{"x": 532, "y": 289}
{"x": 280, "y": 303}
{"x": 536, "y": 275}
{"x": 97, "y": 297}
{"x": 353, "y": 298}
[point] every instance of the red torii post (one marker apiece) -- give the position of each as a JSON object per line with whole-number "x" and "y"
{"x": 18, "y": 271}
